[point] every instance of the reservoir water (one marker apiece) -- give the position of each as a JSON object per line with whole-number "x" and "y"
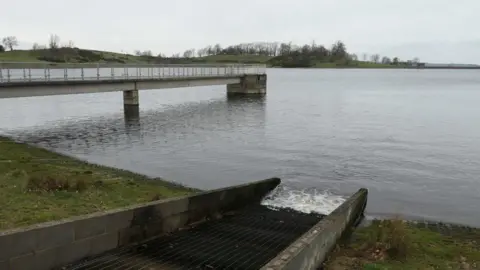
{"x": 412, "y": 137}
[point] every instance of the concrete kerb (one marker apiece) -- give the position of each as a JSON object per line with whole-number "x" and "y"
{"x": 312, "y": 248}
{"x": 54, "y": 244}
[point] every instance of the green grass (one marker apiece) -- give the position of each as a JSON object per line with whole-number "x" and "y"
{"x": 361, "y": 64}
{"x": 398, "y": 245}
{"x": 92, "y": 56}
{"x": 251, "y": 59}
{"x": 19, "y": 56}
{"x": 355, "y": 64}
{"x": 37, "y": 185}
{"x": 75, "y": 56}
{"x": 70, "y": 55}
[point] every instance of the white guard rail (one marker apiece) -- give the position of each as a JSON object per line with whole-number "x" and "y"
{"x": 48, "y": 72}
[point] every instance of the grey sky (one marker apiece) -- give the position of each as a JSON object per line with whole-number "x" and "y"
{"x": 433, "y": 30}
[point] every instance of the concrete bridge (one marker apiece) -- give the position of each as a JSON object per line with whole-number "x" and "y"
{"x": 44, "y": 79}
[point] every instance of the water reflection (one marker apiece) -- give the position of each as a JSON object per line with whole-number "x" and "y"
{"x": 131, "y": 115}
{"x": 195, "y": 119}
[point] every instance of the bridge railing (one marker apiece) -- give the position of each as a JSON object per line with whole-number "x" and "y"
{"x": 49, "y": 72}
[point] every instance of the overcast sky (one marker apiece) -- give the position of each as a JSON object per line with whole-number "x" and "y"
{"x": 433, "y": 30}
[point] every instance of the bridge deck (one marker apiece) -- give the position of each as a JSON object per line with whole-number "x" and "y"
{"x": 247, "y": 239}
{"x": 38, "y": 73}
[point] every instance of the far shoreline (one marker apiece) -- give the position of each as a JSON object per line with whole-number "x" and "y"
{"x": 350, "y": 67}
{"x": 371, "y": 67}
{"x": 67, "y": 56}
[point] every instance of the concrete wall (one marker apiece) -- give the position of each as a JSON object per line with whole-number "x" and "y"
{"x": 83, "y": 87}
{"x": 310, "y": 250}
{"x": 249, "y": 85}
{"x": 55, "y": 244}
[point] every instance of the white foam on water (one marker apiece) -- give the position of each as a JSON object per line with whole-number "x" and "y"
{"x": 306, "y": 201}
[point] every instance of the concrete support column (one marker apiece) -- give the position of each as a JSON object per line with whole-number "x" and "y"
{"x": 249, "y": 85}
{"x": 131, "y": 106}
{"x": 130, "y": 97}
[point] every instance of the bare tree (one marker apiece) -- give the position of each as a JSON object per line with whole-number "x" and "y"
{"x": 386, "y": 60}
{"x": 147, "y": 53}
{"x": 10, "y": 42}
{"x": 189, "y": 53}
{"x": 416, "y": 60}
{"x": 285, "y": 48}
{"x": 375, "y": 58}
{"x": 274, "y": 48}
{"x": 365, "y": 57}
{"x": 354, "y": 57}
{"x": 339, "y": 50}
{"x": 395, "y": 61}
{"x": 138, "y": 52}
{"x": 54, "y": 42}
{"x": 217, "y": 48}
{"x": 35, "y": 46}
{"x": 70, "y": 44}
{"x": 200, "y": 52}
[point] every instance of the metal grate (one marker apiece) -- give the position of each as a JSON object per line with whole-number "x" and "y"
{"x": 247, "y": 239}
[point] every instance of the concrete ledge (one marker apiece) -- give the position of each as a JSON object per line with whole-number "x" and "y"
{"x": 311, "y": 250}
{"x": 26, "y": 89}
{"x": 106, "y": 80}
{"x": 54, "y": 244}
{"x": 249, "y": 85}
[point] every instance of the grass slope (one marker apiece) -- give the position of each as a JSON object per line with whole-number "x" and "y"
{"x": 75, "y": 55}
{"x": 37, "y": 185}
{"x": 70, "y": 55}
{"x": 398, "y": 245}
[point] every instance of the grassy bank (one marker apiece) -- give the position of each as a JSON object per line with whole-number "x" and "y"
{"x": 75, "y": 55}
{"x": 357, "y": 64}
{"x": 70, "y": 55}
{"x": 395, "y": 244}
{"x": 37, "y": 185}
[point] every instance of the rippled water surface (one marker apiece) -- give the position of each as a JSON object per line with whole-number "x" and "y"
{"x": 412, "y": 137}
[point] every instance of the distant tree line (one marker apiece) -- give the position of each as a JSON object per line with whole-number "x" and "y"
{"x": 282, "y": 54}
{"x": 291, "y": 55}
{"x": 275, "y": 53}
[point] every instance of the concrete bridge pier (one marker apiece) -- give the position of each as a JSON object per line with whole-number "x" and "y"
{"x": 131, "y": 104}
{"x": 254, "y": 85}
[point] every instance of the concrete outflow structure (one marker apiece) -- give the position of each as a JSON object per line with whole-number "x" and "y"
{"x": 220, "y": 229}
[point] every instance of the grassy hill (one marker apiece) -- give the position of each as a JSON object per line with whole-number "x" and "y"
{"x": 76, "y": 55}
{"x": 70, "y": 55}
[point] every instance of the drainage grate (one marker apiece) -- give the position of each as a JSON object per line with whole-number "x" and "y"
{"x": 247, "y": 239}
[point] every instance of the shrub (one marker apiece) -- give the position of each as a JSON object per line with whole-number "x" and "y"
{"x": 389, "y": 237}
{"x": 49, "y": 183}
